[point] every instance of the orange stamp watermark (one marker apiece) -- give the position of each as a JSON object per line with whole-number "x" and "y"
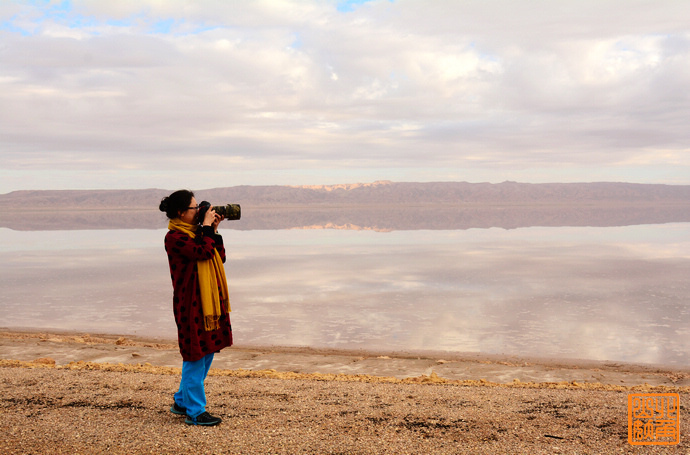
{"x": 653, "y": 418}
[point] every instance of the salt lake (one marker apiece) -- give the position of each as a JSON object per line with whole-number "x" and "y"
{"x": 618, "y": 293}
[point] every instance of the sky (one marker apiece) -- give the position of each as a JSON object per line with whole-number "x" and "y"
{"x": 201, "y": 94}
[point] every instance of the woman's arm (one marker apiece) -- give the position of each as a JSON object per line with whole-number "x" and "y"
{"x": 199, "y": 248}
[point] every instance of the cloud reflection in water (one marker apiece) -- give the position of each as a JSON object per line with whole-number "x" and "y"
{"x": 618, "y": 293}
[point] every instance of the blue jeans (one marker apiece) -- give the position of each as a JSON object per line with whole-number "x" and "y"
{"x": 192, "y": 395}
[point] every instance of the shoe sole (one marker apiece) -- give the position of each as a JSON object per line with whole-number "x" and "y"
{"x": 210, "y": 424}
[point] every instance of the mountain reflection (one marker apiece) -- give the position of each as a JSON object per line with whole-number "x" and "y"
{"x": 377, "y": 218}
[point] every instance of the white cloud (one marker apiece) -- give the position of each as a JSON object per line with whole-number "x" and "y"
{"x": 495, "y": 86}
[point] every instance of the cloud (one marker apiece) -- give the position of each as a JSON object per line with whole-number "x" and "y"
{"x": 321, "y": 87}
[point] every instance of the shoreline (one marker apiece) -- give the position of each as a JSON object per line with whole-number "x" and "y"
{"x": 61, "y": 348}
{"x": 80, "y": 393}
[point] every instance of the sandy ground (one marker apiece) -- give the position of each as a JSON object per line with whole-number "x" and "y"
{"x": 68, "y": 393}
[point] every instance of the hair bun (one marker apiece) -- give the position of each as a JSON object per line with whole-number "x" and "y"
{"x": 163, "y": 207}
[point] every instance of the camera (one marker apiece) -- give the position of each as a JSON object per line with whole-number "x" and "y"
{"x": 229, "y": 211}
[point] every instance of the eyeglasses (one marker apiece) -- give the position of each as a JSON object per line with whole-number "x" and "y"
{"x": 193, "y": 208}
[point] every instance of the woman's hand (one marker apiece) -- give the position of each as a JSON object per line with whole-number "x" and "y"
{"x": 210, "y": 218}
{"x": 217, "y": 221}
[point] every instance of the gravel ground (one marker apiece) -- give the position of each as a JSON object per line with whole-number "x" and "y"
{"x": 87, "y": 408}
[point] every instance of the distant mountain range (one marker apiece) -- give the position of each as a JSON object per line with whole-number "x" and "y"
{"x": 377, "y": 193}
{"x": 382, "y": 206}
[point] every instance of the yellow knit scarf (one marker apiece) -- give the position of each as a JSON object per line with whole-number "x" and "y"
{"x": 212, "y": 282}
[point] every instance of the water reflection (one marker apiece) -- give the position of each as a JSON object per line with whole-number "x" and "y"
{"x": 379, "y": 218}
{"x": 618, "y": 293}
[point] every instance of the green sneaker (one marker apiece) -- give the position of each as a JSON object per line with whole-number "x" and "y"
{"x": 203, "y": 419}
{"x": 176, "y": 409}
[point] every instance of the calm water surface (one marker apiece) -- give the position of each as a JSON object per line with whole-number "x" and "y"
{"x": 613, "y": 293}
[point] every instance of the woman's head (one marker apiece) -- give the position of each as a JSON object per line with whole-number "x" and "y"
{"x": 181, "y": 204}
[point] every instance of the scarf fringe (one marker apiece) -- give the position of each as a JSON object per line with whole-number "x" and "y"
{"x": 211, "y": 322}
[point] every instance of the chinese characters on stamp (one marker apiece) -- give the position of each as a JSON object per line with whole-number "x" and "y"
{"x": 653, "y": 418}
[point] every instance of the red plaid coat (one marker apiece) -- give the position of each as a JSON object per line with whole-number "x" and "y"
{"x": 183, "y": 254}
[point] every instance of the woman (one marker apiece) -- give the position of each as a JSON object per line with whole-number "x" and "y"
{"x": 200, "y": 299}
